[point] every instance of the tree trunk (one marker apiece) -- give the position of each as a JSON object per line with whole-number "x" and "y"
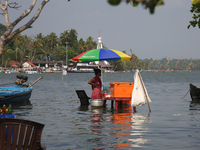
{"x": 9, "y": 33}
{"x": 2, "y": 44}
{"x": 6, "y": 64}
{"x": 33, "y": 55}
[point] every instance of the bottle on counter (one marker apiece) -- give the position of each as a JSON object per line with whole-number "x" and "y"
{"x": 3, "y": 110}
{"x": 104, "y": 95}
{"x": 9, "y": 109}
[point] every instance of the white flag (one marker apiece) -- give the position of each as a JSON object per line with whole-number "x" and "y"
{"x": 138, "y": 95}
{"x": 64, "y": 72}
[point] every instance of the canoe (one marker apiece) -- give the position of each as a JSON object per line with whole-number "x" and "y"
{"x": 14, "y": 94}
{"x": 194, "y": 93}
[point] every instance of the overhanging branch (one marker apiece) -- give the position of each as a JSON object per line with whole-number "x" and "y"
{"x": 31, "y": 21}
{"x": 14, "y": 5}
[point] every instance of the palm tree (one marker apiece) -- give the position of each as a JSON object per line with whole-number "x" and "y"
{"x": 36, "y": 44}
{"x": 17, "y": 39}
{"x": 40, "y": 38}
{"x": 90, "y": 43}
{"x": 26, "y": 46}
{"x": 52, "y": 42}
{"x": 73, "y": 42}
{"x": 82, "y": 46}
{"x": 64, "y": 37}
{"x": 8, "y": 56}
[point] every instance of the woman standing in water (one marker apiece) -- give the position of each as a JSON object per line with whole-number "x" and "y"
{"x": 96, "y": 85}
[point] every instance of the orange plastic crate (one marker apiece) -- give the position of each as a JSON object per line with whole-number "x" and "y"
{"x": 121, "y": 89}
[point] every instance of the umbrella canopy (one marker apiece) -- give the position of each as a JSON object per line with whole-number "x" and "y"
{"x": 101, "y": 55}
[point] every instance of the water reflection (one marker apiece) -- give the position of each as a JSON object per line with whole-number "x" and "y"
{"x": 83, "y": 108}
{"x": 22, "y": 109}
{"x": 96, "y": 127}
{"x": 97, "y": 116}
{"x": 194, "y": 123}
{"x": 194, "y": 105}
{"x": 119, "y": 129}
{"x": 25, "y": 104}
{"x": 139, "y": 129}
{"x": 131, "y": 125}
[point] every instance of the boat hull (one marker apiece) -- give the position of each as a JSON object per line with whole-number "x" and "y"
{"x": 194, "y": 93}
{"x": 14, "y": 95}
{"x": 79, "y": 71}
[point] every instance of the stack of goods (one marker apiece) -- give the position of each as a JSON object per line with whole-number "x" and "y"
{"x": 5, "y": 111}
{"x": 21, "y": 79}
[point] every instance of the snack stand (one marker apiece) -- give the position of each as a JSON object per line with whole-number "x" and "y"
{"x": 120, "y": 93}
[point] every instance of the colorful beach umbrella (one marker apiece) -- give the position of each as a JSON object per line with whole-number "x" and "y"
{"x": 101, "y": 55}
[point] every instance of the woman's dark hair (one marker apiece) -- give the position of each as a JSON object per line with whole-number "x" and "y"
{"x": 96, "y": 71}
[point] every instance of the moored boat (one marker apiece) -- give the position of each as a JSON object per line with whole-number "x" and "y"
{"x": 15, "y": 94}
{"x": 194, "y": 93}
{"x": 87, "y": 67}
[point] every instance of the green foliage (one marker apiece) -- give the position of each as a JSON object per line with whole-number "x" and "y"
{"x": 129, "y": 65}
{"x": 152, "y": 65}
{"x": 41, "y": 47}
{"x": 25, "y": 48}
{"x": 195, "y": 9}
{"x": 168, "y": 64}
{"x": 114, "y": 2}
{"x": 148, "y": 4}
{"x": 118, "y": 65}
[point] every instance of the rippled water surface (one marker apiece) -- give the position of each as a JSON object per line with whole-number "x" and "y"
{"x": 174, "y": 122}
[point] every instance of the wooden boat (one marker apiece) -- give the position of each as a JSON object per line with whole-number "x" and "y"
{"x": 48, "y": 71}
{"x": 195, "y": 93}
{"x": 83, "y": 67}
{"x": 14, "y": 94}
{"x": 17, "y": 94}
{"x": 88, "y": 67}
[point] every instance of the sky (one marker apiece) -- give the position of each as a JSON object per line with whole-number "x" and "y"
{"x": 163, "y": 34}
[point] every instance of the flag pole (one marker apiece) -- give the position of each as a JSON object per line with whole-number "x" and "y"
{"x": 141, "y": 82}
{"x": 64, "y": 72}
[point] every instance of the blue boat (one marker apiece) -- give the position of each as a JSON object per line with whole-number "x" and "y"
{"x": 15, "y": 94}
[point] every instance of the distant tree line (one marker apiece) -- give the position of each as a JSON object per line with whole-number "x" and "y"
{"x": 165, "y": 64}
{"x": 45, "y": 48}
{"x": 173, "y": 64}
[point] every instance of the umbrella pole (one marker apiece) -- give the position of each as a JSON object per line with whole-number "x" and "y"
{"x": 101, "y": 78}
{"x": 141, "y": 82}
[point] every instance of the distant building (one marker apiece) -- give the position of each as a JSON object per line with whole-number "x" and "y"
{"x": 14, "y": 64}
{"x": 48, "y": 64}
{"x": 28, "y": 64}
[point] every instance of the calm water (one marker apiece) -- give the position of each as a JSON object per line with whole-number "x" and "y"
{"x": 174, "y": 123}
